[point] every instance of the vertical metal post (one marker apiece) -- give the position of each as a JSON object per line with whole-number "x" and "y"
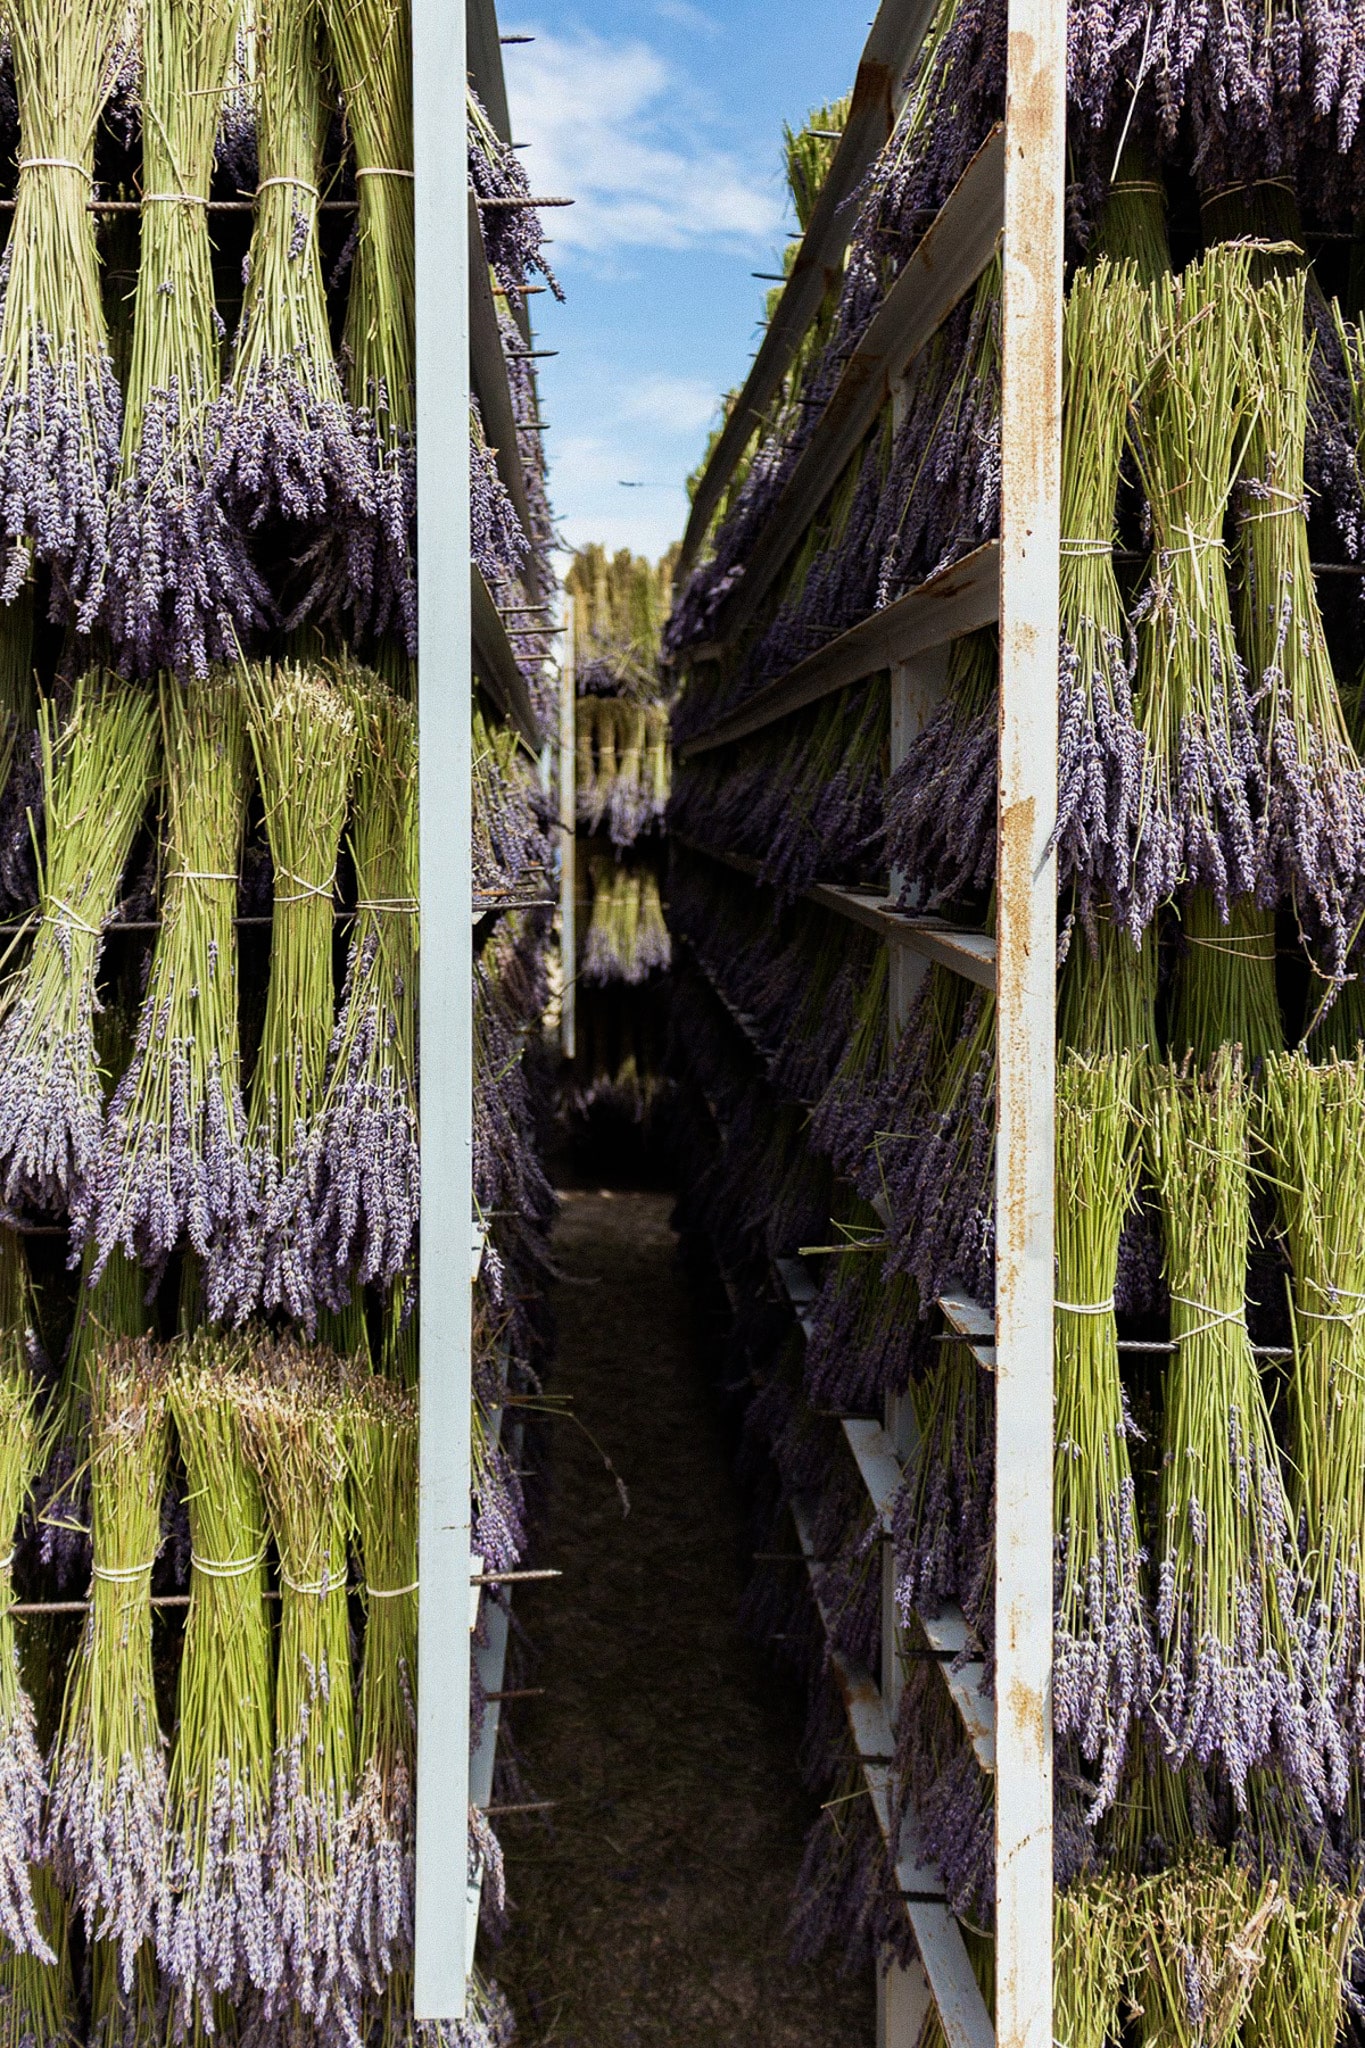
{"x": 568, "y": 840}
{"x": 438, "y": 49}
{"x": 1026, "y": 914}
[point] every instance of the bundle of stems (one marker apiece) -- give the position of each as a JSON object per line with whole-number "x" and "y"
{"x": 1104, "y": 1656}
{"x": 283, "y": 439}
{"x": 107, "y": 1308}
{"x": 214, "y": 1933}
{"x": 38, "y": 1998}
{"x": 1100, "y": 750}
{"x": 1315, "y": 1128}
{"x": 509, "y": 845}
{"x": 658, "y": 760}
{"x": 861, "y": 1337}
{"x": 296, "y": 1408}
{"x": 1090, "y": 1959}
{"x": 365, "y": 1210}
{"x": 98, "y": 766}
{"x": 106, "y": 1824}
{"x": 1202, "y": 803}
{"x": 940, "y": 802}
{"x": 1312, "y": 833}
{"x": 604, "y": 728}
{"x": 496, "y": 539}
{"x": 1231, "y": 1676}
{"x": 182, "y": 585}
{"x": 24, "y": 1442}
{"x": 60, "y": 402}
{"x": 1106, "y": 995}
{"x": 653, "y": 946}
{"x": 1203, "y": 1927}
{"x": 1299, "y": 1990}
{"x": 1225, "y": 985}
{"x": 832, "y": 814}
{"x": 379, "y": 1905}
{"x": 611, "y": 944}
{"x": 842, "y": 1121}
{"x": 940, "y": 1169}
{"x": 585, "y": 760}
{"x": 124, "y": 2016}
{"x": 303, "y": 738}
{"x": 943, "y": 1535}
{"x": 173, "y": 1163}
{"x": 1132, "y": 222}
{"x": 627, "y": 806}
{"x": 370, "y": 43}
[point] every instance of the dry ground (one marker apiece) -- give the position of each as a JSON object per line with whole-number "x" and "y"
{"x": 654, "y": 1911}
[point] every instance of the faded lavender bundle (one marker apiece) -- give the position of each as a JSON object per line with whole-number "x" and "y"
{"x": 173, "y": 1164}
{"x": 182, "y": 585}
{"x": 366, "y": 1206}
{"x": 1104, "y": 1666}
{"x": 23, "y": 1781}
{"x": 1202, "y": 1928}
{"x": 1315, "y": 1126}
{"x": 940, "y": 1172}
{"x": 510, "y": 846}
{"x": 1231, "y": 1665}
{"x": 106, "y": 1825}
{"x": 379, "y": 1904}
{"x": 1205, "y": 786}
{"x": 216, "y": 1934}
{"x": 942, "y": 1530}
{"x": 371, "y": 47}
{"x": 285, "y": 447}
{"x": 59, "y": 403}
{"x": 98, "y": 766}
{"x": 303, "y": 738}
{"x": 940, "y": 801}
{"x": 497, "y": 541}
{"x": 295, "y": 1414}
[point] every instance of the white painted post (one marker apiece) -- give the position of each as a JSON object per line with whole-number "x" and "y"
{"x": 446, "y": 682}
{"x": 568, "y": 844}
{"x": 1026, "y": 928}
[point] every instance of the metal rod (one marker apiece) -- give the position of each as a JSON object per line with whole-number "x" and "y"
{"x": 509, "y": 1578}
{"x": 521, "y": 1692}
{"x": 518, "y": 205}
{"x": 568, "y": 839}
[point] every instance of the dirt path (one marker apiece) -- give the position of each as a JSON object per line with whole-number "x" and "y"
{"x": 654, "y": 1916}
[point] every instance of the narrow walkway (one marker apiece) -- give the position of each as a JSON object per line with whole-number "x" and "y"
{"x": 654, "y": 1915}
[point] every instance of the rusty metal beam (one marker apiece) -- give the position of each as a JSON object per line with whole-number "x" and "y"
{"x": 891, "y": 48}
{"x": 954, "y": 601}
{"x": 949, "y": 259}
{"x": 1026, "y": 927}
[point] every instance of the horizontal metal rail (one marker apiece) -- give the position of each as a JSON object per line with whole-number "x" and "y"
{"x": 956, "y": 600}
{"x": 488, "y": 374}
{"x": 938, "y": 1937}
{"x": 495, "y": 665}
{"x": 945, "y": 265}
{"x": 897, "y": 33}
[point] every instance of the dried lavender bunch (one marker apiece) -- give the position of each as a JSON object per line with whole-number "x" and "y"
{"x": 107, "y": 1818}
{"x": 365, "y": 1208}
{"x": 940, "y": 802}
{"x": 98, "y": 766}
{"x": 59, "y": 402}
{"x": 1231, "y": 1679}
{"x": 862, "y": 1338}
{"x": 106, "y": 1309}
{"x": 1225, "y": 983}
{"x": 1104, "y": 1658}
{"x": 942, "y": 1530}
{"x": 182, "y": 586}
{"x": 303, "y": 738}
{"x": 1205, "y": 788}
{"x": 1091, "y": 1943}
{"x": 609, "y": 943}
{"x": 511, "y": 848}
{"x": 940, "y": 1173}
{"x": 370, "y": 42}
{"x": 658, "y": 761}
{"x": 284, "y": 442}
{"x": 627, "y": 807}
{"x": 653, "y": 946}
{"x": 1300, "y": 1990}
{"x": 1202, "y": 1928}
{"x": 173, "y": 1164}
{"x": 1312, "y": 834}
{"x": 513, "y": 235}
{"x": 1106, "y": 991}
{"x": 379, "y": 1905}
{"x": 844, "y": 1118}
{"x": 1131, "y": 228}
{"x": 1315, "y": 1127}
{"x": 23, "y": 1782}
{"x": 829, "y": 823}
{"x": 497, "y": 542}
{"x": 295, "y": 1408}
{"x": 214, "y": 1936}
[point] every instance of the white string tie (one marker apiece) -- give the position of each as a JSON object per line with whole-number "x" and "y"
{"x": 232, "y": 1568}
{"x": 1216, "y": 1317}
{"x": 1086, "y": 1308}
{"x": 390, "y": 1592}
{"x": 123, "y": 1575}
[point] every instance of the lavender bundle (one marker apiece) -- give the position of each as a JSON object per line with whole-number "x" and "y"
{"x": 863, "y": 1336}
{"x": 181, "y": 581}
{"x": 1315, "y": 1126}
{"x": 38, "y": 1998}
{"x": 940, "y": 802}
{"x": 1312, "y": 834}
{"x": 585, "y": 760}
{"x": 215, "y": 1935}
{"x": 845, "y": 1115}
{"x": 303, "y": 737}
{"x": 1203, "y": 799}
{"x": 1310, "y": 1944}
{"x": 942, "y": 1527}
{"x": 1225, "y": 984}
{"x": 604, "y": 728}
{"x": 365, "y": 1212}
{"x": 284, "y": 443}
{"x": 1103, "y": 1652}
{"x": 510, "y": 846}
{"x": 59, "y": 402}
{"x": 383, "y": 1448}
{"x": 173, "y": 1164}
{"x": 23, "y": 1781}
{"x": 107, "y": 1819}
{"x": 371, "y": 48}
{"x": 295, "y": 1411}
{"x": 97, "y": 771}
{"x": 940, "y": 1171}
{"x": 627, "y": 807}
{"x": 658, "y": 761}
{"x": 1230, "y": 1662}
{"x": 496, "y": 540}
{"x": 1202, "y": 1927}
{"x": 1091, "y": 1940}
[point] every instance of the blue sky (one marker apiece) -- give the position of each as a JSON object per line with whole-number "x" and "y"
{"x": 663, "y": 119}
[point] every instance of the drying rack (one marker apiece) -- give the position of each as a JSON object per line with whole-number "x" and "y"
{"x": 1009, "y": 198}
{"x": 464, "y": 645}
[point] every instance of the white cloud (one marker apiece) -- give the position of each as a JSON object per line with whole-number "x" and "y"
{"x": 681, "y": 406}
{"x": 619, "y": 478}
{"x": 684, "y": 15}
{"x": 606, "y": 125}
